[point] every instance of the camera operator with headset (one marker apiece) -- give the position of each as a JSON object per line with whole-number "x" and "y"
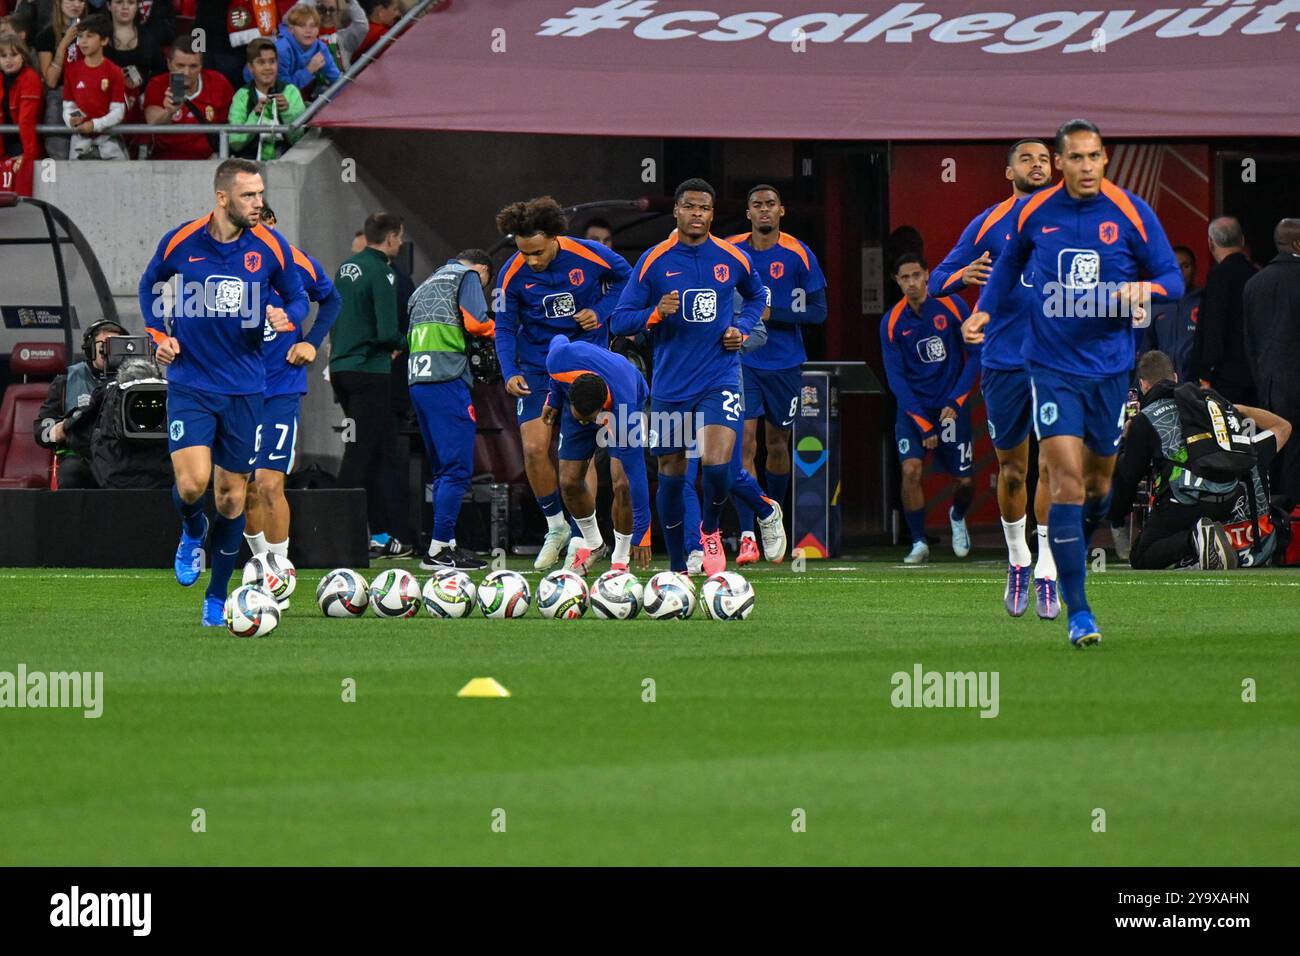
{"x": 1209, "y": 463}
{"x": 63, "y": 424}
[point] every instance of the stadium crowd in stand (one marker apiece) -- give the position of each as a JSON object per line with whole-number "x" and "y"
{"x": 92, "y": 65}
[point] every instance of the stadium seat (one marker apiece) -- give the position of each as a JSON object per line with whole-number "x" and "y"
{"x": 23, "y": 463}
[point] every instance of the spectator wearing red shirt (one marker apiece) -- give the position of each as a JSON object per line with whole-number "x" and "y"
{"x": 22, "y": 100}
{"x": 94, "y": 93}
{"x": 207, "y": 101}
{"x": 382, "y": 14}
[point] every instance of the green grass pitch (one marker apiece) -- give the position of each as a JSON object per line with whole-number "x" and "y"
{"x": 751, "y": 721}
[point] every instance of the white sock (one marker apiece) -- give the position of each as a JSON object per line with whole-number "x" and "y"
{"x": 590, "y": 531}
{"x": 436, "y": 546}
{"x": 257, "y": 542}
{"x": 747, "y": 534}
{"x": 556, "y": 521}
{"x": 281, "y": 548}
{"x": 622, "y": 549}
{"x": 1017, "y": 549}
{"x": 1046, "y": 566}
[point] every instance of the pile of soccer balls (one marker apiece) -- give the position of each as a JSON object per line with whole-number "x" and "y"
{"x": 253, "y": 610}
{"x": 561, "y": 595}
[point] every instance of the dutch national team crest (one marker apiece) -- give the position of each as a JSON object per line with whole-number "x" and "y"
{"x": 1108, "y": 232}
{"x": 576, "y": 277}
{"x": 722, "y": 272}
{"x": 941, "y": 322}
{"x": 252, "y": 261}
{"x": 776, "y": 269}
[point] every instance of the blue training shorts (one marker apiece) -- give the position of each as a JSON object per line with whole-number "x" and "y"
{"x": 1008, "y": 404}
{"x": 226, "y": 424}
{"x": 1088, "y": 408}
{"x": 676, "y": 426}
{"x": 278, "y": 434}
{"x": 773, "y": 395}
{"x": 955, "y": 456}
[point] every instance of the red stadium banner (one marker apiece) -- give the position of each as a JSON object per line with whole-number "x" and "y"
{"x": 846, "y": 69}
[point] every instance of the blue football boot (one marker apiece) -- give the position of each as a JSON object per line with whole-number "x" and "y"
{"x": 1083, "y": 630}
{"x": 189, "y": 556}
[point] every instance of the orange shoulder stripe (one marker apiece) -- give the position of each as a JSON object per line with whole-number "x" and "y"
{"x": 947, "y": 303}
{"x": 739, "y": 237}
{"x": 512, "y": 267}
{"x": 740, "y": 256}
{"x": 300, "y": 258}
{"x": 794, "y": 245}
{"x": 184, "y": 232}
{"x": 1120, "y": 198}
{"x": 894, "y": 315}
{"x": 1000, "y": 210}
{"x": 1037, "y": 200}
{"x": 265, "y": 235}
{"x": 578, "y": 249}
{"x": 656, "y": 252}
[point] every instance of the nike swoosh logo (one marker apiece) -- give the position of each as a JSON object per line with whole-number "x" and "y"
{"x": 1047, "y": 229}
{"x": 1066, "y": 540}
{"x": 671, "y": 274}
{"x": 278, "y": 457}
{"x": 907, "y": 331}
{"x": 230, "y": 554}
{"x": 197, "y": 258}
{"x": 529, "y": 285}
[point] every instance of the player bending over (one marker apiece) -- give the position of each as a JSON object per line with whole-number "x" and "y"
{"x": 1003, "y": 380}
{"x": 286, "y": 356}
{"x": 599, "y": 396}
{"x": 1085, "y": 244}
{"x": 553, "y": 285}
{"x": 932, "y": 374}
{"x": 228, "y": 263}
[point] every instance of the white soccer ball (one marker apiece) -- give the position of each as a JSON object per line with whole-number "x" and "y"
{"x": 395, "y": 593}
{"x": 343, "y": 593}
{"x": 251, "y": 611}
{"x": 504, "y": 594}
{"x": 274, "y": 572}
{"x": 727, "y": 597}
{"x": 669, "y": 594}
{"x": 450, "y": 593}
{"x": 616, "y": 596}
{"x": 562, "y": 595}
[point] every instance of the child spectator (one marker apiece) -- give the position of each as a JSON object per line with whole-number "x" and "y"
{"x": 304, "y": 58}
{"x": 94, "y": 93}
{"x": 21, "y": 24}
{"x": 56, "y": 47}
{"x": 21, "y": 103}
{"x": 207, "y": 101}
{"x": 269, "y": 101}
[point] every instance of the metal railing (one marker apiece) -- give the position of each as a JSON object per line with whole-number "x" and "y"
{"x": 223, "y": 130}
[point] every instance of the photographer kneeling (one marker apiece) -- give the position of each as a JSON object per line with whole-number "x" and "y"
{"x": 1208, "y": 461}
{"x": 63, "y": 423}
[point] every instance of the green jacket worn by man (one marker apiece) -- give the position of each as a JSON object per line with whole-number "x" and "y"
{"x": 367, "y": 331}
